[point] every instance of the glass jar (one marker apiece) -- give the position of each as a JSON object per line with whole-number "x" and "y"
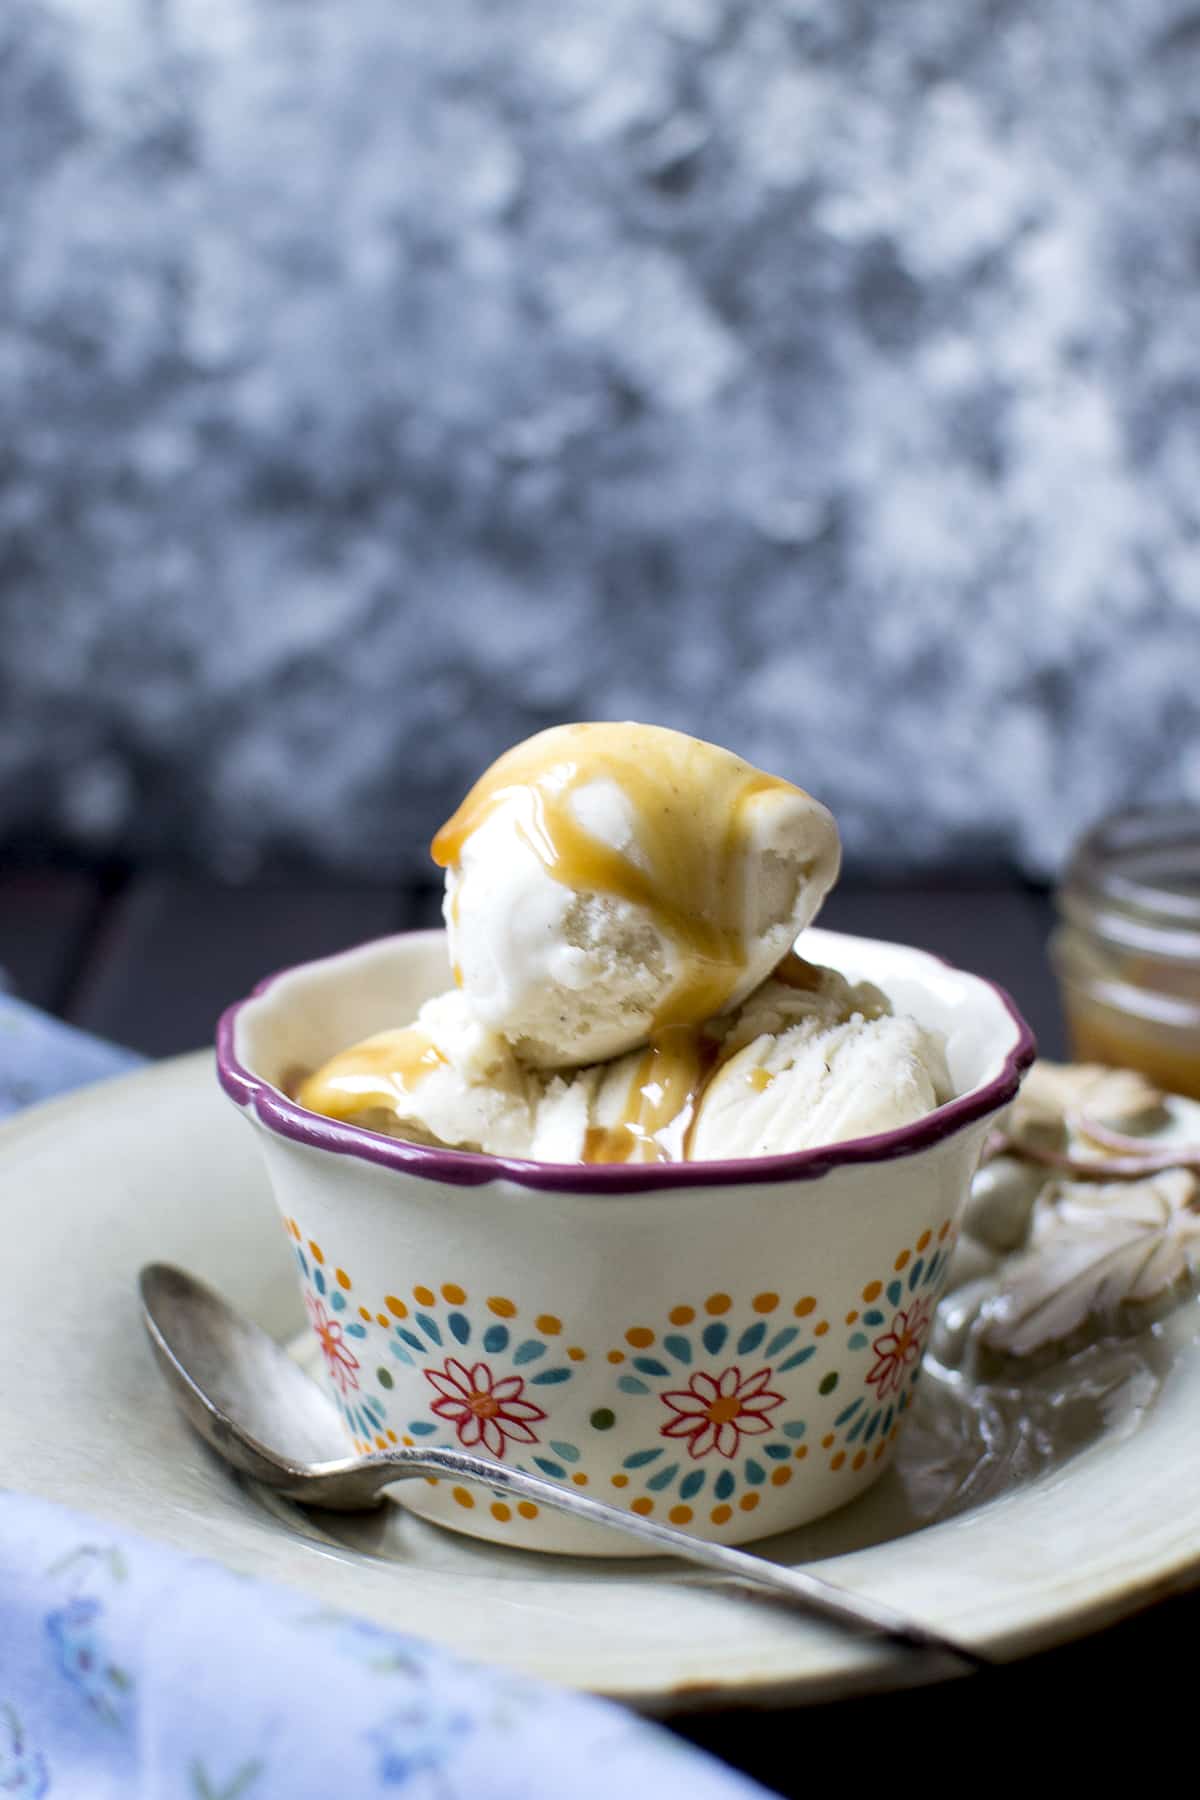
{"x": 1127, "y": 947}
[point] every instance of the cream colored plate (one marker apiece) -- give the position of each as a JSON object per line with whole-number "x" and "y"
{"x": 157, "y": 1166}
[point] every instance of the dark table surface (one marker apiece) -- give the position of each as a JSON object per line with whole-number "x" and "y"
{"x": 150, "y": 959}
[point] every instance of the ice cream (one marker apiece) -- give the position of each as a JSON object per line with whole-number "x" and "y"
{"x": 621, "y": 903}
{"x": 808, "y": 1059}
{"x": 445, "y": 1079}
{"x": 816, "y": 1063}
{"x": 605, "y": 881}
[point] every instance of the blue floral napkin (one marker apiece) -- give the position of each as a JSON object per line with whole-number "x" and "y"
{"x": 132, "y": 1671}
{"x": 40, "y": 1057}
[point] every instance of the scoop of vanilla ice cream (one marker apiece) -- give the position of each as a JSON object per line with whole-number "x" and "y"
{"x": 609, "y": 879}
{"x": 800, "y": 993}
{"x": 444, "y": 1080}
{"x": 818, "y": 1081}
{"x": 805, "y": 1061}
{"x": 633, "y": 1108}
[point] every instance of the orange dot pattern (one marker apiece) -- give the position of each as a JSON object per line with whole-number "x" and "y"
{"x": 713, "y": 1307}
{"x": 453, "y": 1294}
{"x": 641, "y": 1337}
{"x": 858, "y": 1459}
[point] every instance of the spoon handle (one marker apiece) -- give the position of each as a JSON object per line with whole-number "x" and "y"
{"x": 811, "y": 1592}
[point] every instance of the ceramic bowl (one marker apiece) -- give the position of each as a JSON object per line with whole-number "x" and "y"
{"x": 727, "y": 1346}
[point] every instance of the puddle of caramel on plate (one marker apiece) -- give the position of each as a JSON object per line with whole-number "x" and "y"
{"x": 375, "y": 1074}
{"x": 690, "y": 802}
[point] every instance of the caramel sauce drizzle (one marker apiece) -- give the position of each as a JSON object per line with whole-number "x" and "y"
{"x": 795, "y": 973}
{"x": 655, "y": 1122}
{"x": 669, "y": 1077}
{"x": 690, "y": 803}
{"x": 378, "y": 1073}
{"x": 455, "y": 904}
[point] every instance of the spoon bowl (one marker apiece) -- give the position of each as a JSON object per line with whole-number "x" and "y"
{"x": 257, "y": 1408}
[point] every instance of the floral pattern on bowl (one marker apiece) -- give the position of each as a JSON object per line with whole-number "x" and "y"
{"x": 724, "y": 1397}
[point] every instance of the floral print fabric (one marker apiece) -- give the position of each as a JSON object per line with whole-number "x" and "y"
{"x": 131, "y": 1672}
{"x": 40, "y": 1057}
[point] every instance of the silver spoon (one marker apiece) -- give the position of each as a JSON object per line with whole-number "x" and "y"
{"x": 246, "y": 1396}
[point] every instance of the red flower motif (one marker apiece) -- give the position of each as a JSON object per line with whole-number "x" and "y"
{"x": 716, "y": 1411}
{"x": 340, "y": 1360}
{"x": 898, "y": 1349}
{"x": 483, "y": 1410}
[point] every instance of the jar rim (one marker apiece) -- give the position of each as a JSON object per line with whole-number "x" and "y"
{"x": 1128, "y": 859}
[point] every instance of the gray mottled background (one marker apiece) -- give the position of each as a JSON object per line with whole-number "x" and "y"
{"x": 382, "y": 380}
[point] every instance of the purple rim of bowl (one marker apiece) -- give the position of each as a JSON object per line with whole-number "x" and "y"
{"x": 470, "y": 1168}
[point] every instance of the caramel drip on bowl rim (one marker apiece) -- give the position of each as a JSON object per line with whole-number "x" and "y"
{"x": 376, "y": 1073}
